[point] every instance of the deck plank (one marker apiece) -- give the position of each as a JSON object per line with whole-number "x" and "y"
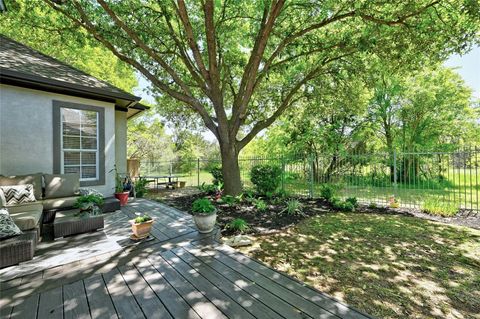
{"x": 322, "y": 300}
{"x": 274, "y": 302}
{"x": 202, "y": 306}
{"x": 75, "y": 303}
{"x": 252, "y": 305}
{"x": 27, "y": 308}
{"x": 51, "y": 304}
{"x": 282, "y": 292}
{"x": 123, "y": 300}
{"x": 174, "y": 303}
{"x": 151, "y": 306}
{"x": 228, "y": 306}
{"x": 101, "y": 306}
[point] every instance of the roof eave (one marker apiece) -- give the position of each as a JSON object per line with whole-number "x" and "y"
{"x": 56, "y": 86}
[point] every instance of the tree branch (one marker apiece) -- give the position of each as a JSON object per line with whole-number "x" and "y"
{"x": 286, "y": 103}
{"x": 134, "y": 36}
{"x": 86, "y": 24}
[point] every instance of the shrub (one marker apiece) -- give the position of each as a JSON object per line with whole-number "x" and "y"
{"x": 141, "y": 187}
{"x": 142, "y": 219}
{"x": 238, "y": 225}
{"x": 327, "y": 192}
{"x": 203, "y": 206}
{"x": 353, "y": 201}
{"x": 266, "y": 178}
{"x": 86, "y": 199}
{"x": 372, "y": 205}
{"x": 434, "y": 207}
{"x": 344, "y": 206}
{"x": 293, "y": 207}
{"x": 207, "y": 188}
{"x": 229, "y": 200}
{"x": 260, "y": 205}
{"x": 217, "y": 174}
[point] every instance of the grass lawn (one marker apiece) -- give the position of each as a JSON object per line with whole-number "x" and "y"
{"x": 386, "y": 265}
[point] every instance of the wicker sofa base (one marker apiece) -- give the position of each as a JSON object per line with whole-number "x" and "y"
{"x": 17, "y": 249}
{"x": 68, "y": 224}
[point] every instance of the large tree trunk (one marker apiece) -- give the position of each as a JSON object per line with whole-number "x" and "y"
{"x": 231, "y": 171}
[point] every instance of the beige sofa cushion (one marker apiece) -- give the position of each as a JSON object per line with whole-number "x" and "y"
{"x": 34, "y": 179}
{"x": 59, "y": 203}
{"x": 61, "y": 185}
{"x": 26, "y": 216}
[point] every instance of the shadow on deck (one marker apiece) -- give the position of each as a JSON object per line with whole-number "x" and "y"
{"x": 178, "y": 274}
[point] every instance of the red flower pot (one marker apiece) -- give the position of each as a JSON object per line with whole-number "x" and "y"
{"x": 122, "y": 197}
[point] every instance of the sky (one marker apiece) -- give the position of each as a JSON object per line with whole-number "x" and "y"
{"x": 469, "y": 68}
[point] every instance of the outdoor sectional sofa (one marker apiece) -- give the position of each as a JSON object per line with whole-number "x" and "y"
{"x": 53, "y": 192}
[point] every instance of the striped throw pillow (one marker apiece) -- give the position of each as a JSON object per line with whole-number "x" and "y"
{"x": 17, "y": 194}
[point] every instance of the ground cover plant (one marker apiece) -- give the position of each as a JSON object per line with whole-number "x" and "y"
{"x": 389, "y": 266}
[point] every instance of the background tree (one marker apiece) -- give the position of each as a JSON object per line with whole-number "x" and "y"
{"x": 220, "y": 58}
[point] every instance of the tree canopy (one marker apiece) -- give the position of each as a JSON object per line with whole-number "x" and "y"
{"x": 239, "y": 65}
{"x": 83, "y": 53}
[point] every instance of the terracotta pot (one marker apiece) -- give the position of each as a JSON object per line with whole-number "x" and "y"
{"x": 205, "y": 222}
{"x": 122, "y": 197}
{"x": 141, "y": 230}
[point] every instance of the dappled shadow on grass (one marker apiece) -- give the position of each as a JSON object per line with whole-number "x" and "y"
{"x": 386, "y": 265}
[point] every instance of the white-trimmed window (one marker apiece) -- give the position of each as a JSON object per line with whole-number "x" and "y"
{"x": 80, "y": 143}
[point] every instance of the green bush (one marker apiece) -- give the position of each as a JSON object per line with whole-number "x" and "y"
{"x": 141, "y": 187}
{"x": 238, "y": 225}
{"x": 266, "y": 178}
{"x": 260, "y": 205}
{"x": 435, "y": 207}
{"x": 217, "y": 174}
{"x": 294, "y": 207}
{"x": 372, "y": 205}
{"x": 210, "y": 189}
{"x": 327, "y": 192}
{"x": 229, "y": 200}
{"x": 353, "y": 201}
{"x": 86, "y": 199}
{"x": 203, "y": 206}
{"x": 142, "y": 219}
{"x": 341, "y": 205}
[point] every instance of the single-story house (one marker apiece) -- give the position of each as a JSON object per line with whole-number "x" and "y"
{"x": 56, "y": 119}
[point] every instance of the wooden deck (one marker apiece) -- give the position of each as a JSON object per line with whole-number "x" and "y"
{"x": 184, "y": 275}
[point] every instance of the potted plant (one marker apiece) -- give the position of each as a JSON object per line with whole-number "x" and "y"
{"x": 89, "y": 204}
{"x": 141, "y": 226}
{"x": 204, "y": 215}
{"x": 393, "y": 202}
{"x": 121, "y": 192}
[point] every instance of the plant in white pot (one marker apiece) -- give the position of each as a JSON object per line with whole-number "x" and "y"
{"x": 204, "y": 215}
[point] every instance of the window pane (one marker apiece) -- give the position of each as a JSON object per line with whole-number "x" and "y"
{"x": 89, "y": 158}
{"x": 89, "y": 130}
{"x": 89, "y": 172}
{"x": 72, "y": 170}
{"x": 71, "y": 142}
{"x": 71, "y": 129}
{"x": 89, "y": 143}
{"x": 70, "y": 115}
{"x": 89, "y": 117}
{"x": 71, "y": 158}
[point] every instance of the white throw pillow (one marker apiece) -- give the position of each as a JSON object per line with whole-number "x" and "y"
{"x": 17, "y": 194}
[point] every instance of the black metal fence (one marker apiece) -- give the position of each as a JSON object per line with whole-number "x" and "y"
{"x": 413, "y": 178}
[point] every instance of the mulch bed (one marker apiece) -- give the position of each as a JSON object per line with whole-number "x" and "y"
{"x": 273, "y": 219}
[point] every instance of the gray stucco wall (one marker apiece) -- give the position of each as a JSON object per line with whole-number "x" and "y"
{"x": 121, "y": 141}
{"x": 26, "y": 133}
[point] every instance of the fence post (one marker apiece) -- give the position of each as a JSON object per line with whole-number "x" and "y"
{"x": 310, "y": 191}
{"x": 395, "y": 169}
{"x": 198, "y": 172}
{"x": 283, "y": 173}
